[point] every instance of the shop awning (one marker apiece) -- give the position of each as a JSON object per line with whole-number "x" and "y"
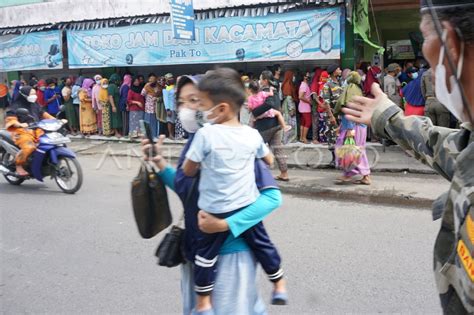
{"x": 62, "y": 14}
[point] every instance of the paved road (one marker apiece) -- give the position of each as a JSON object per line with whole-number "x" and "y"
{"x": 82, "y": 254}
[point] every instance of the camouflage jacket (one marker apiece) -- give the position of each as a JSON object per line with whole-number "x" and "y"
{"x": 331, "y": 92}
{"x": 451, "y": 153}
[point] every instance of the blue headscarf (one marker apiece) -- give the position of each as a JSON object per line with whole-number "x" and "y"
{"x": 412, "y": 91}
{"x": 16, "y": 90}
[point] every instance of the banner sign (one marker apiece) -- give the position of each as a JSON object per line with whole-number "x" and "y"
{"x": 182, "y": 19}
{"x": 305, "y": 35}
{"x": 32, "y": 51}
{"x": 400, "y": 49}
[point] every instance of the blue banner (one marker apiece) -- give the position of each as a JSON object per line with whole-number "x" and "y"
{"x": 305, "y": 35}
{"x": 182, "y": 19}
{"x": 32, "y": 51}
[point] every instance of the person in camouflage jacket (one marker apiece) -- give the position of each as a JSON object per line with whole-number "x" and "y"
{"x": 448, "y": 28}
{"x": 330, "y": 93}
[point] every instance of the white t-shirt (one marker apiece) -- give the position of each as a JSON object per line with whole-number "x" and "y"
{"x": 227, "y": 156}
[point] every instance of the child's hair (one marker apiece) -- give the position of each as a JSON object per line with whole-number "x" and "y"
{"x": 254, "y": 87}
{"x": 224, "y": 85}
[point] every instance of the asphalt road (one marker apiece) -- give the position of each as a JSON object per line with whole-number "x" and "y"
{"x": 81, "y": 254}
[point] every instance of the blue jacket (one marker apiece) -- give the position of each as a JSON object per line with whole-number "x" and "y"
{"x": 183, "y": 185}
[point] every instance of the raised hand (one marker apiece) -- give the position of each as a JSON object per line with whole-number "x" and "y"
{"x": 361, "y": 109}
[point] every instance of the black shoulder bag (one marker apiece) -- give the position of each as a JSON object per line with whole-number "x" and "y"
{"x": 170, "y": 252}
{"x": 150, "y": 202}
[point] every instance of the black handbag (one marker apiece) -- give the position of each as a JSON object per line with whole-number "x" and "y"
{"x": 150, "y": 202}
{"x": 170, "y": 252}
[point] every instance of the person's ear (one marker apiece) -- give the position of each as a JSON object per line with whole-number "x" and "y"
{"x": 453, "y": 42}
{"x": 223, "y": 107}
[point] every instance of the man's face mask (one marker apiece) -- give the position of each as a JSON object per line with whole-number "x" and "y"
{"x": 454, "y": 100}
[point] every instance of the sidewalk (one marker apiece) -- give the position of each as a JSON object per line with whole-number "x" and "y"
{"x": 399, "y": 189}
{"x": 397, "y": 179}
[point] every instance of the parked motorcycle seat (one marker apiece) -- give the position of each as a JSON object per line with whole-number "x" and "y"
{"x": 5, "y": 135}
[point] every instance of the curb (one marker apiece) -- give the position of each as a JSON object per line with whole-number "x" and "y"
{"x": 174, "y": 159}
{"x": 385, "y": 197}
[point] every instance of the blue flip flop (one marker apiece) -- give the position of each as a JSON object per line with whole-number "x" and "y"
{"x": 279, "y": 298}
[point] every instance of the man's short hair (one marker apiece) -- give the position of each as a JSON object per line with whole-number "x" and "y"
{"x": 224, "y": 85}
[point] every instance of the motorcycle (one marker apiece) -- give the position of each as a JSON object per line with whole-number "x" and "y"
{"x": 51, "y": 157}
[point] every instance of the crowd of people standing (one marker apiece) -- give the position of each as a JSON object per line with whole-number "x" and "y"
{"x": 110, "y": 107}
{"x": 285, "y": 107}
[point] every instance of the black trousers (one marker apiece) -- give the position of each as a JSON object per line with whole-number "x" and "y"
{"x": 208, "y": 249}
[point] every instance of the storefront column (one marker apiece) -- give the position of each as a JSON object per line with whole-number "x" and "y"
{"x": 348, "y": 57}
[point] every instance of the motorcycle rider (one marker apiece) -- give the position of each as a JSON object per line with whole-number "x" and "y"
{"x": 17, "y": 124}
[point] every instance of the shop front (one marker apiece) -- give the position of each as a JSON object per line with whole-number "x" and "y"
{"x": 297, "y": 37}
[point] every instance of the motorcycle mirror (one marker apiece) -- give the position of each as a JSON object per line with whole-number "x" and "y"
{"x": 22, "y": 112}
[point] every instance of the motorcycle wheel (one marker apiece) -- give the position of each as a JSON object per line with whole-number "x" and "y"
{"x": 68, "y": 175}
{"x": 7, "y": 159}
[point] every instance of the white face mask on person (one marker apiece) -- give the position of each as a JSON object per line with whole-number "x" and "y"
{"x": 188, "y": 119}
{"x": 207, "y": 113}
{"x": 31, "y": 98}
{"x": 453, "y": 101}
{"x": 414, "y": 75}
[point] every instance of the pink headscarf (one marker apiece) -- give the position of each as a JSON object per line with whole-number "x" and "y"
{"x": 87, "y": 85}
{"x": 127, "y": 80}
{"x": 95, "y": 93}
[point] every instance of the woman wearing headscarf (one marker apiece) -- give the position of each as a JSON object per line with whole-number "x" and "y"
{"x": 355, "y": 130}
{"x": 16, "y": 89}
{"x": 344, "y": 75}
{"x": 413, "y": 97}
{"x": 372, "y": 76}
{"x": 17, "y": 124}
{"x": 103, "y": 101}
{"x": 322, "y": 126}
{"x": 314, "y": 86}
{"x": 114, "y": 97}
{"x": 95, "y": 102}
{"x": 161, "y": 114}
{"x": 244, "y": 115}
{"x": 124, "y": 88}
{"x": 136, "y": 106}
{"x": 40, "y": 92}
{"x": 236, "y": 290}
{"x": 290, "y": 96}
{"x": 150, "y": 92}
{"x": 71, "y": 114}
{"x": 87, "y": 116}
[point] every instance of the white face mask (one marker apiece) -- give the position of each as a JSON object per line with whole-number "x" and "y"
{"x": 207, "y": 113}
{"x": 363, "y": 77}
{"x": 188, "y": 119}
{"x": 105, "y": 86}
{"x": 414, "y": 75}
{"x": 32, "y": 98}
{"x": 452, "y": 101}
